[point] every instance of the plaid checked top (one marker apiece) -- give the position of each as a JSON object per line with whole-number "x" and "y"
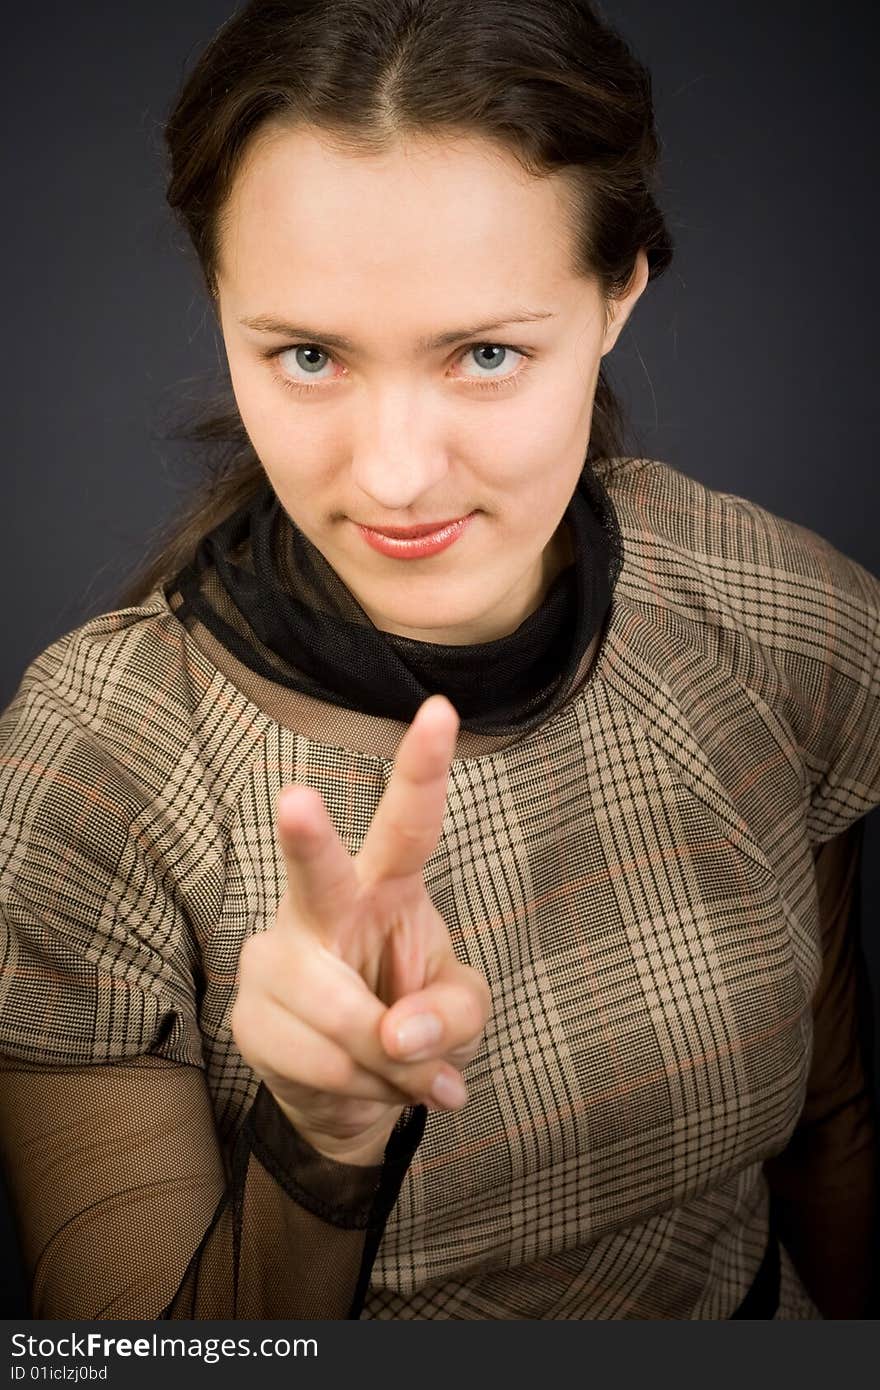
{"x": 636, "y": 879}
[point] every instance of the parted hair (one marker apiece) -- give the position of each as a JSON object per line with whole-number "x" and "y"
{"x": 549, "y": 81}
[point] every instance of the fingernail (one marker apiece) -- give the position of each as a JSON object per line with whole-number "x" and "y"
{"x": 417, "y": 1035}
{"x": 449, "y": 1091}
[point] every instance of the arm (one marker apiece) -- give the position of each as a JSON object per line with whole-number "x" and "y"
{"x": 124, "y": 1210}
{"x": 823, "y": 1185}
{"x": 125, "y": 1203}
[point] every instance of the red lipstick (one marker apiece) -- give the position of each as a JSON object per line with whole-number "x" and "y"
{"x": 415, "y": 542}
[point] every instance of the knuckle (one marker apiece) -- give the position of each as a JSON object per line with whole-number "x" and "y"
{"x": 335, "y": 1072}
{"x": 250, "y": 953}
{"x": 257, "y": 955}
{"x": 343, "y": 1018}
{"x": 238, "y": 1025}
{"x": 472, "y": 1007}
{"x": 411, "y": 831}
{"x": 410, "y": 837}
{"x": 473, "y": 1017}
{"x": 246, "y": 1032}
{"x": 481, "y": 995}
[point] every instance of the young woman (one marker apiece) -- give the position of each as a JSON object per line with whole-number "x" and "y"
{"x": 428, "y": 893}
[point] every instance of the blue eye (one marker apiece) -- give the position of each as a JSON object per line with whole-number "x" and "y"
{"x": 305, "y": 348}
{"x": 490, "y": 347}
{"x": 305, "y": 353}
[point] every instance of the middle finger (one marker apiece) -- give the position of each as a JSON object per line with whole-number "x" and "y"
{"x": 406, "y": 824}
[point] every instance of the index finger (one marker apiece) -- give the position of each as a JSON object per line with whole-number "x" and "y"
{"x": 406, "y": 825}
{"x": 321, "y": 881}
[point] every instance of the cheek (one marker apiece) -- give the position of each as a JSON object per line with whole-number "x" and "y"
{"x": 286, "y": 441}
{"x": 547, "y": 426}
{"x": 538, "y": 462}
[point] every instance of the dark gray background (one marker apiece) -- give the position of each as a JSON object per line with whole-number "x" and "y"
{"x": 751, "y": 365}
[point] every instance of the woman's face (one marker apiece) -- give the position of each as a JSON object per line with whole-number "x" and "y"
{"x": 438, "y": 239}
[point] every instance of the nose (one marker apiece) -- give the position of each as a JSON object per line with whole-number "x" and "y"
{"x": 397, "y": 456}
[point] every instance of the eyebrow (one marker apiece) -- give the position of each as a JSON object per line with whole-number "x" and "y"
{"x": 265, "y": 323}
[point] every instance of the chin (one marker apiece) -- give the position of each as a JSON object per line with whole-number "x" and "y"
{"x": 426, "y": 623}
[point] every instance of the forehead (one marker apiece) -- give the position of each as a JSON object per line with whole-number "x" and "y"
{"x": 302, "y": 215}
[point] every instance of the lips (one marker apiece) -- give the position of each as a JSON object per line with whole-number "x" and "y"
{"x": 409, "y": 533}
{"x": 416, "y": 542}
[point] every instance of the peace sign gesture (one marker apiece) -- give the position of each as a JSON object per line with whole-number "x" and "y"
{"x": 353, "y": 1004}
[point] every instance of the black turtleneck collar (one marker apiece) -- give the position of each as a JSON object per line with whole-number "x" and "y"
{"x": 269, "y": 595}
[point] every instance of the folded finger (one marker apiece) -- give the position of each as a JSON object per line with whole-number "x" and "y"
{"x": 295, "y": 1055}
{"x": 334, "y": 1001}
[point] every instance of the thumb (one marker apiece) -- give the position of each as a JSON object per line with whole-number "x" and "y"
{"x": 445, "y": 1019}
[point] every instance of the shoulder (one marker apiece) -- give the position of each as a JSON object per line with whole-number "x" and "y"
{"x": 112, "y": 663}
{"x": 734, "y": 608}
{"x": 758, "y": 571}
{"x": 111, "y": 855}
{"x": 122, "y": 738}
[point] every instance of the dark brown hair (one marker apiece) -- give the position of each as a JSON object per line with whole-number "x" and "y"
{"x": 547, "y": 79}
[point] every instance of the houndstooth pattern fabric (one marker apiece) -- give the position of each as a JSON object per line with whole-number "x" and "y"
{"x": 634, "y": 878}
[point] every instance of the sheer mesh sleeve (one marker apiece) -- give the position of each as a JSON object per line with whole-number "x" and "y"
{"x": 824, "y": 1184}
{"x": 125, "y": 1210}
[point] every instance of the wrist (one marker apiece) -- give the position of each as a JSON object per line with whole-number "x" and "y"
{"x": 362, "y": 1151}
{"x": 366, "y": 1155}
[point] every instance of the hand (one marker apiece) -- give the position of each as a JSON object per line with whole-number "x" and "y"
{"x": 353, "y": 1004}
